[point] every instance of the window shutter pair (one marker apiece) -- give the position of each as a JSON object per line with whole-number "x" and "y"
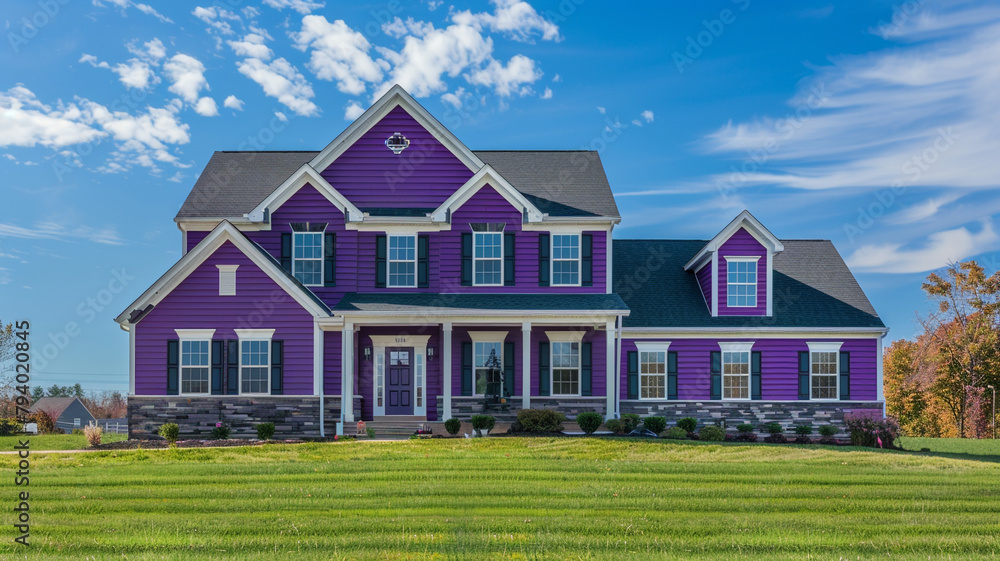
{"x": 225, "y": 366}
{"x": 423, "y": 261}
{"x": 466, "y": 368}
{"x": 672, "y": 375}
{"x": 845, "y": 375}
{"x": 803, "y": 375}
{"x": 633, "y": 375}
{"x": 329, "y": 256}
{"x": 508, "y": 368}
{"x": 715, "y": 390}
{"x": 544, "y": 372}
{"x": 755, "y": 375}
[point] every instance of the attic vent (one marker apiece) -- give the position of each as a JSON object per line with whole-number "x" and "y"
{"x": 397, "y": 143}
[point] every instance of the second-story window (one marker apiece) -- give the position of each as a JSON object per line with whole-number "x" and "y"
{"x": 566, "y": 260}
{"x": 402, "y": 261}
{"x": 741, "y": 282}
{"x": 307, "y": 258}
{"x": 488, "y": 258}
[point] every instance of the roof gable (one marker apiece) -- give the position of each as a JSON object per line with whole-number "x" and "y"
{"x": 746, "y": 221}
{"x": 55, "y": 406}
{"x": 487, "y": 176}
{"x": 306, "y": 174}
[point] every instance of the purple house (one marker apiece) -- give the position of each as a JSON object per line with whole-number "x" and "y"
{"x": 398, "y": 275}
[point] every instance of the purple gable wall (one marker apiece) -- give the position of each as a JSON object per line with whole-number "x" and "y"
{"x": 704, "y": 276}
{"x": 259, "y": 303}
{"x": 742, "y": 243}
{"x": 779, "y": 366}
{"x": 422, "y": 176}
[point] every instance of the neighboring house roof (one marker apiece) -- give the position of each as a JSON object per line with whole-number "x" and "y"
{"x": 449, "y": 303}
{"x": 560, "y": 183}
{"x": 55, "y": 406}
{"x": 812, "y": 288}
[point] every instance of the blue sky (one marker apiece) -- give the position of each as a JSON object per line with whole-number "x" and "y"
{"x": 873, "y": 126}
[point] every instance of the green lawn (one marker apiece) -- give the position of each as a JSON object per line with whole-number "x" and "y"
{"x": 954, "y": 445}
{"x": 508, "y": 498}
{"x": 55, "y": 441}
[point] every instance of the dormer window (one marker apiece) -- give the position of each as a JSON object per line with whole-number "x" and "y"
{"x": 741, "y": 282}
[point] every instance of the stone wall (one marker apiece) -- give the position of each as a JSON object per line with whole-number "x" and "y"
{"x": 732, "y": 413}
{"x": 293, "y": 416}
{"x": 465, "y": 407}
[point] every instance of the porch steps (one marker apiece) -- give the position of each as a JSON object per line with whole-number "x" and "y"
{"x": 398, "y": 427}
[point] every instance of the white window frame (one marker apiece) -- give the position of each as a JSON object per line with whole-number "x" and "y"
{"x": 193, "y": 336}
{"x": 486, "y": 338}
{"x": 578, "y": 260}
{"x": 322, "y": 254}
{"x": 816, "y": 348}
{"x": 737, "y": 348}
{"x": 227, "y": 279}
{"x": 389, "y": 260}
{"x": 565, "y": 337}
{"x": 645, "y": 348}
{"x": 255, "y": 336}
{"x": 753, "y": 292}
{"x": 476, "y": 260}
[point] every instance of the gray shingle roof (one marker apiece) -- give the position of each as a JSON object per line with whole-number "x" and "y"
{"x": 54, "y": 406}
{"x": 562, "y": 183}
{"x": 367, "y": 302}
{"x": 812, "y": 287}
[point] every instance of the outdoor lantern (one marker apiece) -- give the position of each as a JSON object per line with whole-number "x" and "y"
{"x": 368, "y": 353}
{"x": 430, "y": 353}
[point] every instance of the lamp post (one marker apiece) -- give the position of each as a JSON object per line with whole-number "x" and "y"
{"x": 994, "y": 411}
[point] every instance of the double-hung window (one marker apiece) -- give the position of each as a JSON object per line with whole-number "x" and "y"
{"x": 255, "y": 366}
{"x": 565, "y": 259}
{"x": 824, "y": 370}
{"x": 565, "y": 368}
{"x": 735, "y": 370}
{"x": 488, "y": 355}
{"x": 652, "y": 374}
{"x": 488, "y": 258}
{"x": 195, "y": 366}
{"x": 741, "y": 282}
{"x": 402, "y": 261}
{"x": 307, "y": 257}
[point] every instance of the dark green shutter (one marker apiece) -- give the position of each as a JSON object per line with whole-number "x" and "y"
{"x": 466, "y": 258}
{"x": 286, "y": 251}
{"x": 845, "y": 375}
{"x": 509, "y": 372}
{"x": 277, "y": 371}
{"x": 217, "y": 367}
{"x": 543, "y": 260}
{"x": 755, "y": 375}
{"x": 803, "y": 374}
{"x": 330, "y": 259}
{"x": 508, "y": 259}
{"x": 466, "y": 368}
{"x": 380, "y": 261}
{"x": 672, "y": 375}
{"x": 232, "y": 367}
{"x": 423, "y": 261}
{"x": 173, "y": 366}
{"x": 633, "y": 375}
{"x": 715, "y": 390}
{"x": 544, "y": 373}
{"x": 587, "y": 369}
{"x": 587, "y": 258}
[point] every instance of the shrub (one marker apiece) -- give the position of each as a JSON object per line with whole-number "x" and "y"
{"x": 589, "y": 421}
{"x": 93, "y": 434}
{"x": 370, "y": 431}
{"x": 483, "y": 424}
{"x": 538, "y": 421}
{"x": 803, "y": 430}
{"x": 746, "y": 433}
{"x": 867, "y": 431}
{"x": 170, "y": 432}
{"x": 712, "y": 432}
{"x": 265, "y": 431}
{"x": 77, "y": 432}
{"x": 772, "y": 429}
{"x": 10, "y": 427}
{"x": 630, "y": 422}
{"x": 827, "y": 431}
{"x": 221, "y": 431}
{"x": 688, "y": 424}
{"x": 45, "y": 423}
{"x": 453, "y": 425}
{"x": 614, "y": 425}
{"x": 744, "y": 428}
{"x": 655, "y": 424}
{"x": 676, "y": 433}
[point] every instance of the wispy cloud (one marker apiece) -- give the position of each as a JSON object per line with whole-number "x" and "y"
{"x": 54, "y": 231}
{"x": 937, "y": 250}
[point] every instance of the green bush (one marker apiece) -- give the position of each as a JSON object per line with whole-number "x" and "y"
{"x": 803, "y": 430}
{"x": 221, "y": 431}
{"x": 589, "y": 421}
{"x": 539, "y": 421}
{"x": 655, "y": 424}
{"x": 77, "y": 432}
{"x": 867, "y": 431}
{"x": 772, "y": 428}
{"x": 827, "y": 431}
{"x": 170, "y": 432}
{"x": 688, "y": 424}
{"x": 630, "y": 422}
{"x": 483, "y": 424}
{"x": 712, "y": 432}
{"x": 370, "y": 431}
{"x": 265, "y": 431}
{"x": 614, "y": 425}
{"x": 453, "y": 425}
{"x": 676, "y": 433}
{"x": 10, "y": 426}
{"x": 744, "y": 428}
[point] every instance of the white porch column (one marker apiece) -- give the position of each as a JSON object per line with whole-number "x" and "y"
{"x": 525, "y": 365}
{"x": 446, "y": 359}
{"x": 611, "y": 371}
{"x": 347, "y": 373}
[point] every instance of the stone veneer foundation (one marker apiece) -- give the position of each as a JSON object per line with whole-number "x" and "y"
{"x": 465, "y": 407}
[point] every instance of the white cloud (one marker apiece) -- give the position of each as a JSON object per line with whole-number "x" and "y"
{"x": 353, "y": 111}
{"x": 281, "y": 116}
{"x": 252, "y": 46}
{"x": 25, "y": 121}
{"x": 647, "y": 116}
{"x": 938, "y": 250}
{"x": 434, "y": 4}
{"x": 206, "y": 107}
{"x": 507, "y": 80}
{"x": 281, "y": 80}
{"x": 516, "y": 19}
{"x": 216, "y": 18}
{"x": 233, "y": 102}
{"x": 301, "y": 6}
{"x": 338, "y": 53}
{"x": 176, "y": 178}
{"x": 56, "y": 231}
{"x": 601, "y": 110}
{"x": 138, "y": 72}
{"x": 923, "y": 211}
{"x": 557, "y": 78}
{"x": 188, "y": 76}
{"x": 135, "y": 74}
{"x": 454, "y": 99}
{"x": 547, "y": 94}
{"x": 10, "y": 157}
{"x": 144, "y": 8}
{"x": 92, "y": 60}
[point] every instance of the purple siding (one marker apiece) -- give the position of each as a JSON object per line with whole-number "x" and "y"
{"x": 422, "y": 176}
{"x": 742, "y": 243}
{"x": 195, "y": 304}
{"x": 194, "y": 238}
{"x": 331, "y": 362}
{"x": 704, "y": 276}
{"x": 779, "y": 366}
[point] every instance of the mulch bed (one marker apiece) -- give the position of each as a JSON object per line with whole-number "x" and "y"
{"x": 158, "y": 444}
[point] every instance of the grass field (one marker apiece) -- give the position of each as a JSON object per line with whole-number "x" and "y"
{"x": 55, "y": 441}
{"x": 507, "y": 498}
{"x": 954, "y": 445}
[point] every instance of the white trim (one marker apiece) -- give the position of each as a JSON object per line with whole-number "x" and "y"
{"x": 736, "y": 347}
{"x": 423, "y": 315}
{"x": 488, "y": 336}
{"x": 419, "y": 345}
{"x": 486, "y": 175}
{"x": 446, "y": 373}
{"x": 347, "y": 373}
{"x": 266, "y": 366}
{"x": 395, "y": 97}
{"x": 826, "y": 347}
{"x": 653, "y": 346}
{"x": 227, "y": 275}
{"x": 579, "y": 367}
{"x": 715, "y": 284}
{"x": 399, "y": 225}
{"x": 322, "y": 255}
{"x": 207, "y": 224}
{"x": 255, "y": 334}
{"x": 755, "y": 259}
{"x": 609, "y": 261}
{"x": 195, "y": 334}
{"x": 751, "y": 225}
{"x": 565, "y": 336}
{"x": 552, "y": 256}
{"x": 493, "y": 337}
{"x": 499, "y": 259}
{"x": 184, "y": 242}
{"x": 756, "y": 332}
{"x": 769, "y": 289}
{"x": 319, "y": 348}
{"x": 222, "y": 233}
{"x": 610, "y": 372}
{"x": 880, "y": 383}
{"x": 570, "y": 224}
{"x": 131, "y": 362}
{"x": 305, "y": 174}
{"x": 525, "y": 365}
